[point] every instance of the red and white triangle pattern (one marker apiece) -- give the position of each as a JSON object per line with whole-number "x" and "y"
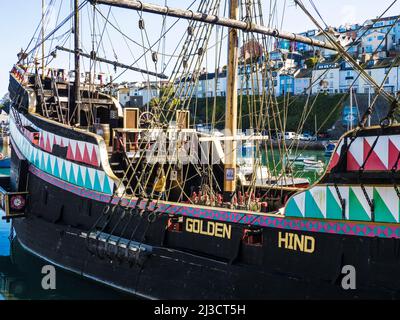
{"x": 82, "y": 152}
{"x": 382, "y": 157}
{"x": 336, "y": 156}
{"x": 79, "y": 151}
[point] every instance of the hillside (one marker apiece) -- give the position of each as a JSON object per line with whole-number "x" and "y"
{"x": 321, "y": 108}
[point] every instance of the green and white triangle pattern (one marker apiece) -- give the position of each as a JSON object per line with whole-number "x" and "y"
{"x": 386, "y": 204}
{"x": 315, "y": 206}
{"x": 82, "y": 176}
{"x": 323, "y": 202}
{"x": 359, "y": 209}
{"x": 296, "y": 205}
{"x": 333, "y": 205}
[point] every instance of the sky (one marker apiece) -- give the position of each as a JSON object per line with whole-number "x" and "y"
{"x": 19, "y": 19}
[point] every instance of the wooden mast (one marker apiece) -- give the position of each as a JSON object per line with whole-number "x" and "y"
{"x": 231, "y": 106}
{"x": 77, "y": 63}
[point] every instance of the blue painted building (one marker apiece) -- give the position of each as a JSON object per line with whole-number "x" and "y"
{"x": 286, "y": 84}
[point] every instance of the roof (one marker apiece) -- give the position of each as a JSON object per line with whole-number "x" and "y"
{"x": 385, "y": 18}
{"x": 385, "y": 63}
{"x": 152, "y": 87}
{"x": 203, "y": 76}
{"x": 304, "y": 73}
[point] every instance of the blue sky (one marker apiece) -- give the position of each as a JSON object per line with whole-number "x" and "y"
{"x": 19, "y": 18}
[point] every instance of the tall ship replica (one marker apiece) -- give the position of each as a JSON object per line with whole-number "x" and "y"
{"x": 143, "y": 200}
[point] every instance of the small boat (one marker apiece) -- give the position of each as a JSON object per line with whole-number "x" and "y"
{"x": 330, "y": 148}
{"x": 4, "y": 161}
{"x": 313, "y": 163}
{"x": 300, "y": 158}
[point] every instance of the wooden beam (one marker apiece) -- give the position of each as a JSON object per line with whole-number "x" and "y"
{"x": 212, "y": 19}
{"x": 115, "y": 63}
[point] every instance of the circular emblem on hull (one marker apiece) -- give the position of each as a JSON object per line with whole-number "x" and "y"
{"x": 17, "y": 202}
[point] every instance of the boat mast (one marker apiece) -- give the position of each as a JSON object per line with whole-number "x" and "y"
{"x": 43, "y": 48}
{"x": 77, "y": 63}
{"x": 231, "y": 106}
{"x": 351, "y": 108}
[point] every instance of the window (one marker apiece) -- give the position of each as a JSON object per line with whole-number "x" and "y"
{"x": 387, "y": 80}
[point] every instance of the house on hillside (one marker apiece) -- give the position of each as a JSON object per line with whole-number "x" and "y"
{"x": 302, "y": 81}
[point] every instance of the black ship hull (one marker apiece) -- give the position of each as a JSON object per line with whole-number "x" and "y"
{"x": 74, "y": 217}
{"x": 167, "y": 270}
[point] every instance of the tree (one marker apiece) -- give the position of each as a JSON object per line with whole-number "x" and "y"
{"x": 311, "y": 62}
{"x": 165, "y": 101}
{"x": 251, "y": 51}
{"x": 5, "y": 103}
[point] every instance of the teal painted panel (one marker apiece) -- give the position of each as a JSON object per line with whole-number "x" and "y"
{"x": 333, "y": 209}
{"x": 292, "y": 210}
{"x": 312, "y": 210}
{"x": 356, "y": 210}
{"x": 382, "y": 212}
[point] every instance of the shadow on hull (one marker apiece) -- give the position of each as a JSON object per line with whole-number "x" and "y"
{"x": 21, "y": 277}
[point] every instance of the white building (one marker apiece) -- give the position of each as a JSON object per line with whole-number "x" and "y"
{"x": 139, "y": 93}
{"x": 375, "y": 28}
{"x": 126, "y": 91}
{"x": 302, "y": 81}
{"x": 376, "y": 41}
{"x": 326, "y": 78}
{"x": 148, "y": 92}
{"x": 390, "y": 83}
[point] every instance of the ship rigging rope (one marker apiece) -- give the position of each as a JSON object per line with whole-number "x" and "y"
{"x": 314, "y": 81}
{"x": 179, "y": 183}
{"x": 150, "y": 48}
{"x": 183, "y": 62}
{"x": 343, "y": 52}
{"x": 43, "y": 18}
{"x": 120, "y": 196}
{"x": 380, "y": 87}
{"x": 45, "y": 24}
{"x": 68, "y": 18}
{"x": 362, "y": 123}
{"x": 188, "y": 92}
{"x": 51, "y": 43}
{"x": 166, "y": 100}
